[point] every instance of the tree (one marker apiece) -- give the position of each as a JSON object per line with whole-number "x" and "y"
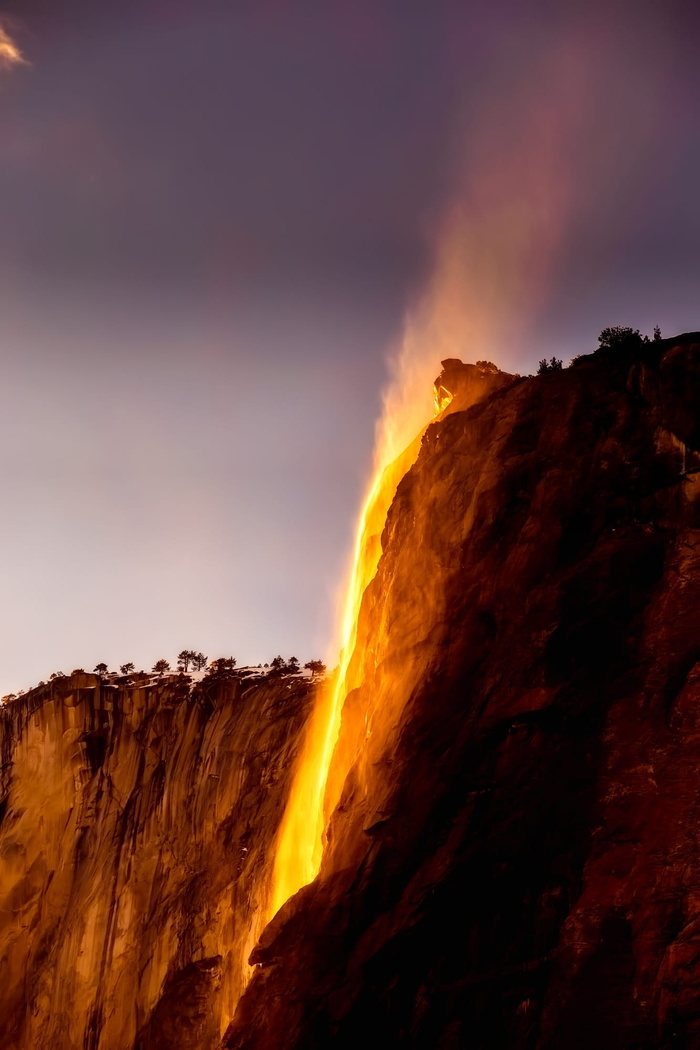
{"x": 277, "y": 665}
{"x": 317, "y": 668}
{"x": 553, "y": 365}
{"x": 161, "y": 666}
{"x": 184, "y": 659}
{"x": 101, "y": 668}
{"x": 56, "y": 674}
{"x": 292, "y": 665}
{"x": 619, "y": 337}
{"x": 126, "y": 668}
{"x": 199, "y": 661}
{"x": 222, "y": 667}
{"x": 657, "y": 334}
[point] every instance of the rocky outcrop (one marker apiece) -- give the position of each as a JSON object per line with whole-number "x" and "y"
{"x": 137, "y": 823}
{"x": 514, "y": 857}
{"x": 465, "y": 384}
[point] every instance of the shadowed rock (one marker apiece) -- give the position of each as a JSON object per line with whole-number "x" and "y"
{"x": 514, "y": 859}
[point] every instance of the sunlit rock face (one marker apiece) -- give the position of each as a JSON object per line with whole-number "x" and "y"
{"x": 514, "y": 858}
{"x": 137, "y": 822}
{"x": 465, "y": 384}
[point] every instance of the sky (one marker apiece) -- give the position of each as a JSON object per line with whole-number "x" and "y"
{"x": 226, "y": 226}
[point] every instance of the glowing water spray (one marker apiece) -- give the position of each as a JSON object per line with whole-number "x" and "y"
{"x": 494, "y": 256}
{"x": 10, "y": 54}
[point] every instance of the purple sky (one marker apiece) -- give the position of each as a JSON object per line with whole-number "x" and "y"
{"x": 214, "y": 216}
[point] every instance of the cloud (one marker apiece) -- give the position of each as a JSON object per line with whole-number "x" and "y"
{"x": 10, "y": 54}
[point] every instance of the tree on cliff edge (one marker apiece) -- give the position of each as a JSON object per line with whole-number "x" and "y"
{"x": 184, "y": 659}
{"x": 223, "y": 667}
{"x": 317, "y": 668}
{"x": 620, "y": 337}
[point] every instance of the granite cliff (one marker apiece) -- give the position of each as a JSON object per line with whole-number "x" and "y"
{"x": 513, "y": 860}
{"x": 136, "y": 825}
{"x": 512, "y": 857}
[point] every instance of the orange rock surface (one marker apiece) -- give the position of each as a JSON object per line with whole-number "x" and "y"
{"x": 514, "y": 859}
{"x": 136, "y": 826}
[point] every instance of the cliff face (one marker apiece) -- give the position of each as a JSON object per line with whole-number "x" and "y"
{"x": 137, "y": 822}
{"x": 514, "y": 861}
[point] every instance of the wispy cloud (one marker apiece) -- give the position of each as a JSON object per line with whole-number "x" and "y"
{"x": 10, "y": 54}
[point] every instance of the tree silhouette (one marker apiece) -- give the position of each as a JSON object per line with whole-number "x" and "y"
{"x": 160, "y": 666}
{"x": 553, "y": 365}
{"x": 292, "y": 665}
{"x": 317, "y": 668}
{"x": 619, "y": 337}
{"x": 126, "y": 668}
{"x": 101, "y": 668}
{"x": 277, "y": 665}
{"x": 222, "y": 667}
{"x": 657, "y": 334}
{"x": 184, "y": 659}
{"x": 199, "y": 661}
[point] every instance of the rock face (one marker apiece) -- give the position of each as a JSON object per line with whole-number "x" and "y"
{"x": 514, "y": 859}
{"x": 136, "y": 826}
{"x": 464, "y": 384}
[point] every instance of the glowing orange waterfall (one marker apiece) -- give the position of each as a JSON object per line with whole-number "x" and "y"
{"x": 494, "y": 254}
{"x": 300, "y": 842}
{"x": 407, "y": 409}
